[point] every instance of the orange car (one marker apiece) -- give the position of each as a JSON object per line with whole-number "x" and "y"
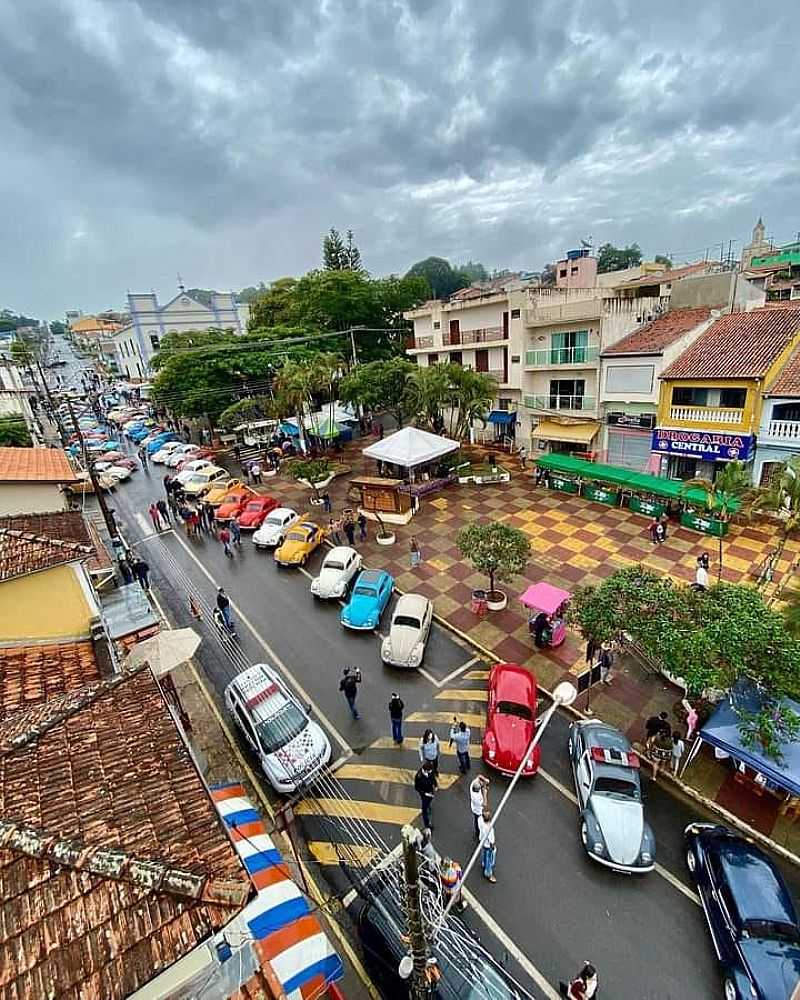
{"x": 234, "y": 502}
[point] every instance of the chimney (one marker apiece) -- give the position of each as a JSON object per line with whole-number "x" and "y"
{"x": 104, "y": 651}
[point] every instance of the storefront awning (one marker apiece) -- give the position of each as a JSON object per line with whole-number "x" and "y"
{"x": 582, "y": 433}
{"x": 502, "y": 417}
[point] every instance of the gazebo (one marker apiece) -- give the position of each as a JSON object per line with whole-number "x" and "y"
{"x": 410, "y": 448}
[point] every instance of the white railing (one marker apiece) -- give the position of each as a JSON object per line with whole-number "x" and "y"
{"x": 548, "y": 402}
{"x": 569, "y": 356}
{"x": 784, "y": 430}
{"x": 706, "y": 414}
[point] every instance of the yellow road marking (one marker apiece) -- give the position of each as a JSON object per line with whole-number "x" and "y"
{"x": 396, "y": 775}
{"x": 463, "y": 694}
{"x": 331, "y": 854}
{"x": 477, "y": 675}
{"x": 386, "y": 743}
{"x": 445, "y": 718}
{"x": 375, "y": 812}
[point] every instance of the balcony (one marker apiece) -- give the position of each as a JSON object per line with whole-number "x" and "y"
{"x": 783, "y": 432}
{"x": 465, "y": 338}
{"x": 565, "y": 306}
{"x": 725, "y": 416}
{"x": 568, "y": 357}
{"x": 419, "y": 343}
{"x": 571, "y": 404}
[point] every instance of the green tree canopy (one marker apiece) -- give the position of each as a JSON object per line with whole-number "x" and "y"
{"x": 14, "y": 433}
{"x": 442, "y": 279}
{"x": 611, "y": 258}
{"x": 498, "y": 550}
{"x": 665, "y": 262}
{"x": 380, "y": 385}
{"x": 250, "y": 410}
{"x": 333, "y": 252}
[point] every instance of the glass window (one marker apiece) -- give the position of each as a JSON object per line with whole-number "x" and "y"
{"x": 689, "y": 396}
{"x": 154, "y": 341}
{"x": 408, "y": 621}
{"x": 515, "y": 313}
{"x": 281, "y": 728}
{"x": 732, "y": 398}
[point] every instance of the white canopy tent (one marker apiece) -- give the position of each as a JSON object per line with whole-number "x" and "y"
{"x": 411, "y": 447}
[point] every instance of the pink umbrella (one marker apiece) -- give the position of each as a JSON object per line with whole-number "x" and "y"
{"x": 545, "y": 597}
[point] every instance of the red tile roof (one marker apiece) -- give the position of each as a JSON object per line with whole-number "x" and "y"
{"x": 32, "y": 675}
{"x": 667, "y": 276}
{"x": 65, "y": 526}
{"x": 113, "y": 861}
{"x": 40, "y": 465}
{"x": 655, "y": 336}
{"x": 22, "y": 553}
{"x": 740, "y": 345}
{"x": 788, "y": 381}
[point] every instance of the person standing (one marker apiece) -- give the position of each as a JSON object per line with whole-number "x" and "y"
{"x": 606, "y": 662}
{"x": 167, "y": 484}
{"x": 429, "y": 750}
{"x": 460, "y": 736}
{"x": 224, "y": 607}
{"x": 350, "y": 531}
{"x": 414, "y": 550}
{"x": 334, "y": 528}
{"x": 488, "y": 844}
{"x": 583, "y": 986}
{"x": 255, "y": 472}
{"x": 660, "y": 750}
{"x": 700, "y": 576}
{"x": 142, "y": 573}
{"x": 678, "y": 746}
{"x": 425, "y": 784}
{"x": 236, "y": 531}
{"x": 705, "y": 559}
{"x": 692, "y": 718}
{"x": 225, "y": 538}
{"x": 237, "y": 453}
{"x": 523, "y": 455}
{"x": 125, "y": 571}
{"x": 155, "y": 517}
{"x": 592, "y": 647}
{"x": 348, "y": 685}
{"x": 396, "y": 707}
{"x": 478, "y": 800}
{"x": 362, "y": 526}
{"x": 326, "y": 502}
{"x": 654, "y": 725}
{"x": 163, "y": 510}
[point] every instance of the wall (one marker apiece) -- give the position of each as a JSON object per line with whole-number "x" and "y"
{"x": 750, "y": 416}
{"x": 31, "y": 498}
{"x": 622, "y": 372}
{"x": 60, "y": 591}
{"x": 716, "y": 290}
{"x": 622, "y": 316}
{"x": 580, "y": 273}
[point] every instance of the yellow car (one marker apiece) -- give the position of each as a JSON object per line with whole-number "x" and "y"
{"x": 199, "y": 483}
{"x": 301, "y": 540}
{"x": 218, "y": 491}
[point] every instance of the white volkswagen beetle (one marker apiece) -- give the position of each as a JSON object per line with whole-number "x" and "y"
{"x": 338, "y": 569}
{"x": 165, "y": 451}
{"x": 404, "y": 646}
{"x": 274, "y": 527}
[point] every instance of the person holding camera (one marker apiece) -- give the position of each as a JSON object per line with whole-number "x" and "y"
{"x": 348, "y": 685}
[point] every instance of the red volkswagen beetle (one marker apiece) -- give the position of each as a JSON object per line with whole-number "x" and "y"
{"x": 510, "y": 719}
{"x": 253, "y": 514}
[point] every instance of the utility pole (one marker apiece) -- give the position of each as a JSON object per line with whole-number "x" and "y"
{"x": 108, "y": 516}
{"x": 416, "y": 928}
{"x": 53, "y": 408}
{"x": 353, "y": 345}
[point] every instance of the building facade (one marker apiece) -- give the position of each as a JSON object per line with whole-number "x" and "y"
{"x": 779, "y": 430}
{"x": 138, "y": 341}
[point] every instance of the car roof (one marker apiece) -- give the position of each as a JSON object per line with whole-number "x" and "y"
{"x": 372, "y": 575}
{"x": 513, "y": 683}
{"x": 340, "y": 552}
{"x": 306, "y": 526}
{"x": 599, "y": 734}
{"x": 260, "y": 500}
{"x": 757, "y": 885}
{"x": 261, "y": 691}
{"x": 411, "y": 604}
{"x": 281, "y": 512}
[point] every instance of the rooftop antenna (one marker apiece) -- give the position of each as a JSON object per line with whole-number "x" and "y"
{"x": 181, "y": 286}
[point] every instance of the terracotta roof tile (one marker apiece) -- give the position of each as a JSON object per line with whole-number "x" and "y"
{"x": 740, "y": 345}
{"x": 65, "y": 526}
{"x": 32, "y": 676}
{"x": 22, "y": 553}
{"x": 655, "y": 336}
{"x": 40, "y": 465}
{"x": 788, "y": 381}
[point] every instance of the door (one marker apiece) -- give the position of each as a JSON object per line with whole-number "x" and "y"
{"x": 505, "y": 325}
{"x": 482, "y": 360}
{"x": 584, "y": 778}
{"x": 455, "y": 332}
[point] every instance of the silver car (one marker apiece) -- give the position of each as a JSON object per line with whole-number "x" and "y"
{"x": 609, "y": 789}
{"x": 404, "y": 646}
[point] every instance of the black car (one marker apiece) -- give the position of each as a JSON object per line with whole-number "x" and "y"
{"x": 750, "y": 914}
{"x": 463, "y": 970}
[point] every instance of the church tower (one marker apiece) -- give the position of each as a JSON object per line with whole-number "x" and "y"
{"x": 758, "y": 246}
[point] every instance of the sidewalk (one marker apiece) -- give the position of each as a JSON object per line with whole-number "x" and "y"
{"x": 574, "y": 542}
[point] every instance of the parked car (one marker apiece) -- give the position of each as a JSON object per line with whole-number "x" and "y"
{"x": 298, "y": 544}
{"x": 510, "y": 719}
{"x": 274, "y": 527}
{"x": 154, "y": 446}
{"x": 182, "y": 453}
{"x": 404, "y": 646}
{"x": 218, "y": 493}
{"x": 750, "y": 914}
{"x": 336, "y": 573}
{"x": 233, "y": 503}
{"x": 196, "y": 465}
{"x": 371, "y": 593}
{"x": 199, "y": 483}
{"x": 118, "y": 472}
{"x": 608, "y": 785}
{"x": 290, "y": 746}
{"x": 255, "y": 511}
{"x": 163, "y": 453}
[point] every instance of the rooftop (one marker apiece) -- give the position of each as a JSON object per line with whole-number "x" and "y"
{"x": 22, "y": 553}
{"x": 668, "y": 276}
{"x": 66, "y": 526}
{"x": 30, "y": 675}
{"x": 740, "y": 345}
{"x": 40, "y": 465}
{"x": 788, "y": 381}
{"x": 655, "y": 336}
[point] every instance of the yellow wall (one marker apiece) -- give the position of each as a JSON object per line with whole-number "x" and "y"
{"x": 46, "y": 605}
{"x": 751, "y": 413}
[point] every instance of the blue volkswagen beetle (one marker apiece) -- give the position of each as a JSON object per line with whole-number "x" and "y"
{"x": 368, "y": 600}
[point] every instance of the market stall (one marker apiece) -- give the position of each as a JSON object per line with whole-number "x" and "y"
{"x": 547, "y": 605}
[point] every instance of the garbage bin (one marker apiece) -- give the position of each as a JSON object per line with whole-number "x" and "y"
{"x": 479, "y": 602}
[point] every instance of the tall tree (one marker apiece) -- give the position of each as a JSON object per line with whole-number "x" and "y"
{"x": 274, "y": 306}
{"x": 379, "y": 386}
{"x": 443, "y": 280}
{"x": 352, "y": 254}
{"x": 782, "y": 497}
{"x": 723, "y": 495}
{"x": 473, "y": 271}
{"x": 250, "y": 294}
{"x": 611, "y": 258}
{"x": 665, "y": 262}
{"x": 334, "y": 252}
{"x": 548, "y": 276}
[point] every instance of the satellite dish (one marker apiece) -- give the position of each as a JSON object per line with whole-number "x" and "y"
{"x": 406, "y": 966}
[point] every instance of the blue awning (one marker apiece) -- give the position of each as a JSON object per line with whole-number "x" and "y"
{"x": 502, "y": 417}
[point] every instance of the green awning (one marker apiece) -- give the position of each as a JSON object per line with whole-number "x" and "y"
{"x": 639, "y": 482}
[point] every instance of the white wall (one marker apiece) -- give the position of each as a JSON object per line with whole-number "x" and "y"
{"x": 31, "y": 498}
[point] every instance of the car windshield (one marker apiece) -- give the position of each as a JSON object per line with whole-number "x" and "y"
{"x": 618, "y": 787}
{"x": 333, "y": 564}
{"x": 772, "y": 929}
{"x": 296, "y": 536}
{"x": 194, "y": 478}
{"x": 366, "y": 591}
{"x": 473, "y": 978}
{"x": 407, "y": 620}
{"x": 281, "y": 728}
{"x": 513, "y": 708}
{"x": 254, "y": 505}
{"x": 274, "y": 520}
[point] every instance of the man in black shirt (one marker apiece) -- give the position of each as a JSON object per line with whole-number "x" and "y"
{"x": 396, "y": 707}
{"x": 655, "y": 725}
{"x": 426, "y": 784}
{"x": 348, "y": 685}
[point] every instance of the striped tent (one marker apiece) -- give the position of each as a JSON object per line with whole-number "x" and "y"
{"x": 287, "y": 937}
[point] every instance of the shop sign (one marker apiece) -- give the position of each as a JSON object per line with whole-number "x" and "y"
{"x": 707, "y": 445}
{"x": 638, "y": 421}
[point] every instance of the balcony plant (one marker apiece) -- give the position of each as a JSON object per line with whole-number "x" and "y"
{"x": 499, "y": 551}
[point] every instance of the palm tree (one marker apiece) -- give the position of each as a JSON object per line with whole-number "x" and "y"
{"x": 781, "y": 496}
{"x": 723, "y": 495}
{"x": 429, "y": 390}
{"x": 472, "y": 394}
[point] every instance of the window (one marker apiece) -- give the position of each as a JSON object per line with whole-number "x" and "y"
{"x": 515, "y": 313}
{"x": 573, "y": 270}
{"x": 769, "y": 471}
{"x": 455, "y": 357}
{"x": 504, "y": 403}
{"x": 732, "y": 398}
{"x": 630, "y": 378}
{"x": 562, "y": 273}
{"x": 566, "y": 393}
{"x": 433, "y": 359}
{"x": 154, "y": 341}
{"x": 569, "y": 347}
{"x": 244, "y": 723}
{"x": 437, "y": 325}
{"x": 689, "y": 396}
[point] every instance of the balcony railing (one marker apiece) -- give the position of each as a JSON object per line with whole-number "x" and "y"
{"x": 415, "y": 343}
{"x": 485, "y": 335}
{"x": 573, "y": 357}
{"x": 571, "y": 403}
{"x": 784, "y": 430}
{"x": 706, "y": 414}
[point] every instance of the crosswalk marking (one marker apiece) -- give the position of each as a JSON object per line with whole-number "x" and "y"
{"x": 445, "y": 718}
{"x": 462, "y": 694}
{"x": 396, "y": 775}
{"x": 374, "y": 812}
{"x": 477, "y": 675}
{"x": 387, "y": 743}
{"x": 327, "y": 853}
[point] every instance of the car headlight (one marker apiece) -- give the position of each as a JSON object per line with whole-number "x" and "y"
{"x": 415, "y": 657}
{"x": 492, "y": 753}
{"x": 598, "y": 847}
{"x": 386, "y": 647}
{"x": 645, "y": 857}
{"x": 315, "y": 586}
{"x": 337, "y": 590}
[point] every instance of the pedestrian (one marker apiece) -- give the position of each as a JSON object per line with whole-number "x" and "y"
{"x": 362, "y": 526}
{"x": 142, "y": 573}
{"x": 224, "y": 608}
{"x": 348, "y": 685}
{"x": 207, "y": 512}
{"x": 334, "y": 527}
{"x": 541, "y": 628}
{"x": 660, "y": 750}
{"x": 692, "y": 718}
{"x": 429, "y": 749}
{"x": 424, "y": 845}
{"x": 255, "y": 471}
{"x": 700, "y": 576}
{"x": 416, "y": 554}
{"x": 654, "y": 725}
{"x": 523, "y": 455}
{"x": 194, "y": 608}
{"x": 237, "y": 453}
{"x": 605, "y": 662}
{"x": 225, "y": 538}
{"x": 155, "y": 517}
{"x": 194, "y": 522}
{"x": 658, "y": 531}
{"x": 143, "y": 457}
{"x": 381, "y": 431}
{"x": 167, "y": 484}
{"x": 583, "y": 986}
{"x": 326, "y": 502}
{"x": 236, "y": 531}
{"x": 163, "y": 510}
{"x": 425, "y": 784}
{"x": 451, "y": 876}
{"x": 705, "y": 559}
{"x": 396, "y": 707}
{"x": 678, "y": 746}
{"x": 350, "y": 531}
{"x": 460, "y": 736}
{"x": 488, "y": 844}
{"x": 125, "y": 571}
{"x": 478, "y": 800}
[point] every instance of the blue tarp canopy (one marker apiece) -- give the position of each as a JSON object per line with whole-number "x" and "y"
{"x": 291, "y": 429}
{"x": 502, "y": 417}
{"x": 722, "y": 731}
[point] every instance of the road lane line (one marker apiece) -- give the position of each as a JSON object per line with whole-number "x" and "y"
{"x": 516, "y": 953}
{"x": 477, "y": 675}
{"x": 667, "y": 875}
{"x": 387, "y": 743}
{"x": 276, "y": 659}
{"x": 446, "y": 718}
{"x": 458, "y": 671}
{"x": 395, "y": 775}
{"x": 327, "y": 853}
{"x": 463, "y": 694}
{"x": 428, "y": 677}
{"x": 375, "y": 812}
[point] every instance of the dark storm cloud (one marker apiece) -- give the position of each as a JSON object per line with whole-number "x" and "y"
{"x": 223, "y": 138}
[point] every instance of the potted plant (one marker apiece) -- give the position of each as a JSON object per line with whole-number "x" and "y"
{"x": 499, "y": 551}
{"x": 383, "y": 535}
{"x": 312, "y": 472}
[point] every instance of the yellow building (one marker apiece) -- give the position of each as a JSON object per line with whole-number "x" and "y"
{"x": 711, "y": 396}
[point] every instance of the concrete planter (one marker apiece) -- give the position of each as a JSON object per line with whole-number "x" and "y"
{"x": 385, "y": 539}
{"x": 498, "y": 477}
{"x": 499, "y": 603}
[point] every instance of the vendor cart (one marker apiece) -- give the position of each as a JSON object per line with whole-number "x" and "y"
{"x": 547, "y": 605}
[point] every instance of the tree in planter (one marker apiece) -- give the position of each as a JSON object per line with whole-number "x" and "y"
{"x": 310, "y": 470}
{"x": 498, "y": 550}
{"x": 723, "y": 495}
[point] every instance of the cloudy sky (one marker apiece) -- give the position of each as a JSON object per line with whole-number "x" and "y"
{"x": 221, "y": 138}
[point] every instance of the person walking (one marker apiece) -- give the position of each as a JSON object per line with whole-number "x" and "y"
{"x": 425, "y": 784}
{"x": 142, "y": 573}
{"x": 142, "y": 453}
{"x": 583, "y": 986}
{"x": 237, "y": 453}
{"x": 660, "y": 750}
{"x": 155, "y": 517}
{"x": 255, "y": 472}
{"x": 523, "y": 455}
{"x": 460, "y": 737}
{"x": 167, "y": 484}
{"x": 236, "y": 531}
{"x": 396, "y": 707}
{"x": 225, "y": 538}
{"x": 224, "y": 607}
{"x": 678, "y": 746}
{"x": 348, "y": 685}
{"x": 193, "y": 523}
{"x": 326, "y": 502}
{"x": 429, "y": 750}
{"x": 414, "y": 551}
{"x": 478, "y": 800}
{"x": 362, "y": 526}
{"x": 125, "y": 571}
{"x": 488, "y": 844}
{"x": 163, "y": 510}
{"x": 334, "y": 529}
{"x": 350, "y": 531}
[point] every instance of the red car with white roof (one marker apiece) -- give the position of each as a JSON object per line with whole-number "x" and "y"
{"x": 510, "y": 719}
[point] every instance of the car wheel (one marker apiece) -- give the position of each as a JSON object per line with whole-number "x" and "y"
{"x": 691, "y": 860}
{"x": 729, "y": 989}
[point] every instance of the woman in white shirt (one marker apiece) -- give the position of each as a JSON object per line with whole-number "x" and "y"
{"x": 488, "y": 844}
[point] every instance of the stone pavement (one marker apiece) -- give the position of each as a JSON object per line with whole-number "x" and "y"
{"x": 574, "y": 542}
